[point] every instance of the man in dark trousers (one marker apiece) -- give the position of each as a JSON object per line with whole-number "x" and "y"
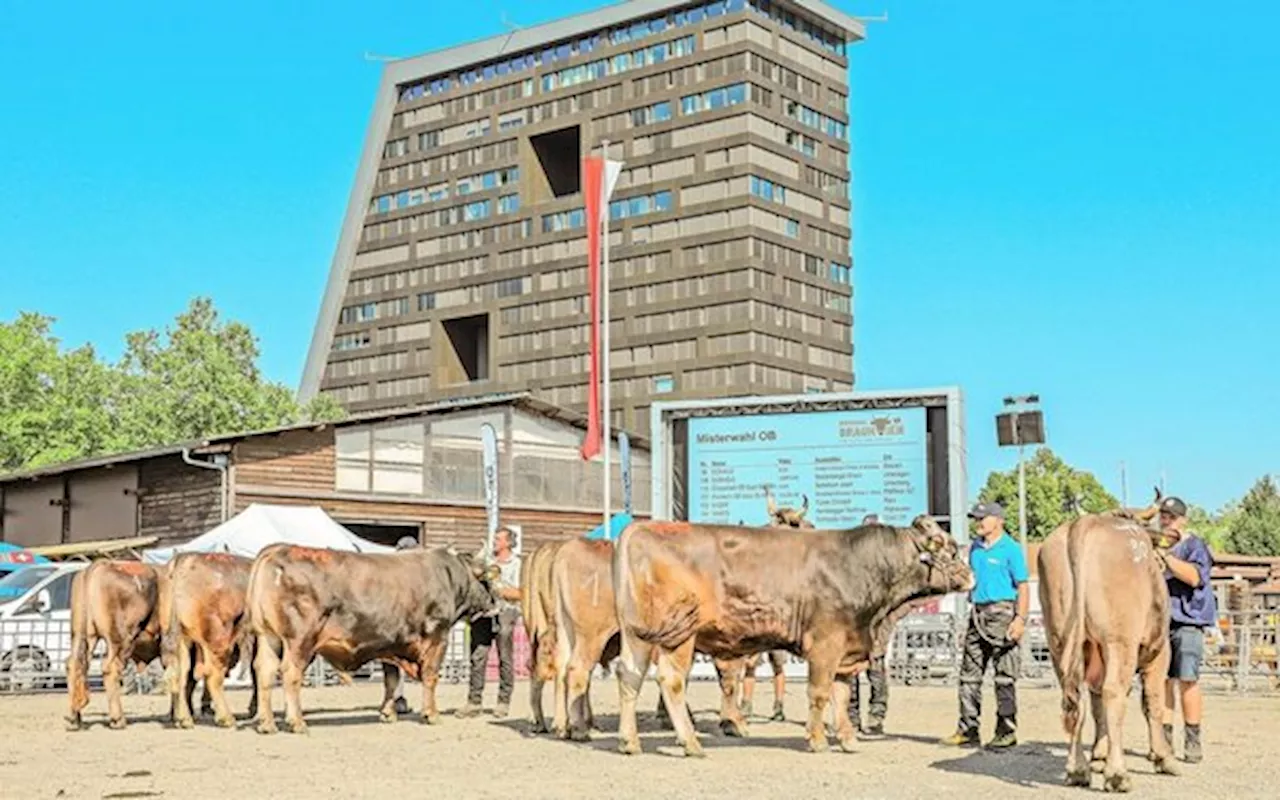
{"x": 1000, "y": 602}
{"x": 401, "y": 705}
{"x": 1192, "y": 608}
{"x": 499, "y": 628}
{"x": 877, "y": 682}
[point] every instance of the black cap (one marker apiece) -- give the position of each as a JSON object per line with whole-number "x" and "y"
{"x": 984, "y": 510}
{"x": 1174, "y": 506}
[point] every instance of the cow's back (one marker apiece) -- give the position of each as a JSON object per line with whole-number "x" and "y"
{"x": 584, "y": 584}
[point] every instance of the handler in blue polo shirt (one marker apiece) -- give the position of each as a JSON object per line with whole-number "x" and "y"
{"x": 1192, "y": 609}
{"x": 999, "y": 604}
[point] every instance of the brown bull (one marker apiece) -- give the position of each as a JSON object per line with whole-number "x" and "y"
{"x": 352, "y": 608}
{"x": 115, "y": 601}
{"x": 205, "y": 629}
{"x": 829, "y": 596}
{"x": 1106, "y": 616}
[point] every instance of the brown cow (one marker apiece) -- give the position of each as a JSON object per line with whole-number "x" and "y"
{"x": 828, "y": 596}
{"x": 352, "y": 608}
{"x": 537, "y": 607}
{"x": 204, "y": 629}
{"x": 115, "y": 601}
{"x": 1117, "y": 623}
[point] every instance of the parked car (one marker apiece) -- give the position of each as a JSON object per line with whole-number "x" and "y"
{"x": 35, "y": 625}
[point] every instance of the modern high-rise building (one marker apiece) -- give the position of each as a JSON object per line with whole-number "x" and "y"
{"x": 461, "y": 265}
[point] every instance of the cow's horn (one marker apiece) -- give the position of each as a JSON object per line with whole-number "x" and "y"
{"x": 804, "y": 507}
{"x": 769, "y": 504}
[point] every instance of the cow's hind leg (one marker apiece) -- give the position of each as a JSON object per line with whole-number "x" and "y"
{"x": 215, "y": 673}
{"x": 633, "y": 666}
{"x": 586, "y": 652}
{"x": 822, "y": 670}
{"x": 538, "y": 677}
{"x": 293, "y": 667}
{"x": 673, "y": 667}
{"x": 112, "y": 666}
{"x": 1101, "y": 742}
{"x": 728, "y": 674}
{"x": 1154, "y": 677}
{"x": 1120, "y": 660}
{"x": 266, "y": 666}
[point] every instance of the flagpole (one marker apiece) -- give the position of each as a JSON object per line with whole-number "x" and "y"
{"x": 606, "y": 422}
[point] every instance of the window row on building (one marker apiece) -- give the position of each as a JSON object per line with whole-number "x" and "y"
{"x": 619, "y": 64}
{"x": 632, "y": 32}
{"x": 437, "y": 166}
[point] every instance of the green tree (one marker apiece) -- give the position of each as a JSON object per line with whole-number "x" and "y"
{"x": 200, "y": 378}
{"x": 1214, "y": 528}
{"x": 1052, "y": 488}
{"x": 1255, "y": 529}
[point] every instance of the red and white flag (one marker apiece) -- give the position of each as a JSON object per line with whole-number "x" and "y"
{"x": 599, "y": 176}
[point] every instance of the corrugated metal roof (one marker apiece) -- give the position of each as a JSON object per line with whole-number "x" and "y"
{"x": 524, "y": 400}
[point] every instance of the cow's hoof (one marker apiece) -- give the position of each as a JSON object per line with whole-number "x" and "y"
{"x": 579, "y": 735}
{"x": 228, "y": 721}
{"x": 560, "y": 731}
{"x": 1119, "y": 782}
{"x": 847, "y": 743}
{"x": 1080, "y": 777}
{"x": 430, "y": 719}
{"x": 1098, "y": 764}
{"x": 117, "y": 723}
{"x": 693, "y": 749}
{"x": 733, "y": 728}
{"x": 298, "y": 726}
{"x": 819, "y": 745}
{"x": 184, "y": 723}
{"x": 629, "y": 747}
{"x": 387, "y": 716}
{"x": 1166, "y": 765}
{"x": 267, "y": 726}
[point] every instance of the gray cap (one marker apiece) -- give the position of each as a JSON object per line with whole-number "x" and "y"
{"x": 1174, "y": 506}
{"x": 406, "y": 542}
{"x": 984, "y": 510}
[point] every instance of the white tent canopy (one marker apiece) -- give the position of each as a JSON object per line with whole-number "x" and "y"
{"x": 261, "y": 525}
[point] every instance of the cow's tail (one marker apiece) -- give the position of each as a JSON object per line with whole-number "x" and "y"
{"x": 170, "y": 636}
{"x": 78, "y": 663}
{"x": 537, "y": 625}
{"x": 1074, "y": 636}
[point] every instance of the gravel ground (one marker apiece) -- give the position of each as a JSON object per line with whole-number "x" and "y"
{"x": 348, "y": 753}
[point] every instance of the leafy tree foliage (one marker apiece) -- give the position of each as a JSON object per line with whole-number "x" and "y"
{"x": 1054, "y": 489}
{"x": 198, "y": 378}
{"x": 1255, "y": 529}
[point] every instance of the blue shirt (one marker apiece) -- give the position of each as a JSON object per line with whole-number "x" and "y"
{"x": 998, "y": 568}
{"x": 1187, "y": 605}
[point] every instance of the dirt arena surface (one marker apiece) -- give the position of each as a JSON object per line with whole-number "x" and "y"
{"x": 349, "y": 753}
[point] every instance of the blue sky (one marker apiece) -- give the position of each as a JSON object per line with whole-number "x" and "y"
{"x": 1080, "y": 200}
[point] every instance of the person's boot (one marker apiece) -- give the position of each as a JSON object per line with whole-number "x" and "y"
{"x": 961, "y": 739}
{"x": 1191, "y": 752}
{"x": 401, "y": 706}
{"x": 500, "y": 711}
{"x": 874, "y": 729}
{"x": 1003, "y": 741}
{"x": 746, "y": 708}
{"x": 469, "y": 710}
{"x": 779, "y": 715}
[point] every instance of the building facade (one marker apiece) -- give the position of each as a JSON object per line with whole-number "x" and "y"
{"x": 461, "y": 265}
{"x": 383, "y": 475}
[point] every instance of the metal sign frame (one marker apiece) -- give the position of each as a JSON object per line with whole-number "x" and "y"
{"x": 663, "y": 412}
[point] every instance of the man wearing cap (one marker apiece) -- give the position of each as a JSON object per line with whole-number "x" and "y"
{"x": 497, "y": 628}
{"x": 402, "y": 706}
{"x": 1192, "y": 608}
{"x": 999, "y": 604}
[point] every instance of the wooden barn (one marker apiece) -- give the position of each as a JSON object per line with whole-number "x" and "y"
{"x": 415, "y": 471}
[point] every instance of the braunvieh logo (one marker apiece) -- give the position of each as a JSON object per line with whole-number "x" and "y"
{"x": 889, "y": 425}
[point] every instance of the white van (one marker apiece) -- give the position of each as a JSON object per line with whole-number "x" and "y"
{"x": 35, "y": 625}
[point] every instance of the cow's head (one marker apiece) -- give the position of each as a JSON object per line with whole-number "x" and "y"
{"x": 785, "y": 516}
{"x": 482, "y": 595}
{"x": 944, "y": 568}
